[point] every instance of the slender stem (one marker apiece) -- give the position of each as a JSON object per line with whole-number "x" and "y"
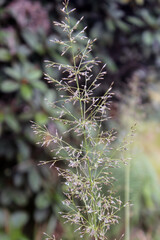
{"x": 127, "y": 198}
{"x": 83, "y": 118}
{"x": 81, "y": 108}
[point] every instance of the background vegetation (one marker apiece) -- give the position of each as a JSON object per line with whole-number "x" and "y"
{"x": 128, "y": 33}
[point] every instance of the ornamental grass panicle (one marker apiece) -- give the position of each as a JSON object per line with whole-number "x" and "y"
{"x": 89, "y": 164}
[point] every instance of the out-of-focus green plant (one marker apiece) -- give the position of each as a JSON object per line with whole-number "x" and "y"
{"x": 144, "y": 167}
{"x": 27, "y": 191}
{"x": 129, "y": 33}
{"x": 14, "y": 224}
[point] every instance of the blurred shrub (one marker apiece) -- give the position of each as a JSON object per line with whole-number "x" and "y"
{"x": 28, "y": 192}
{"x": 144, "y": 165}
{"x": 129, "y": 35}
{"x": 144, "y": 184}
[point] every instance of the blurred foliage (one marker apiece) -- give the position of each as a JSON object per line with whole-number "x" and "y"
{"x": 29, "y": 193}
{"x": 128, "y": 33}
{"x": 144, "y": 189}
{"x": 144, "y": 164}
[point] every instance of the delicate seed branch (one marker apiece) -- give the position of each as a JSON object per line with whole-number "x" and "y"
{"x": 90, "y": 160}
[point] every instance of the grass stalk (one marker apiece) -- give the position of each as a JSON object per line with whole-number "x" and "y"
{"x": 127, "y": 199}
{"x": 89, "y": 163}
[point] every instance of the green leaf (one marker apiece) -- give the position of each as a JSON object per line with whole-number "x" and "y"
{"x": 12, "y": 122}
{"x": 42, "y": 200}
{"x": 24, "y": 150}
{"x": 147, "y": 38}
{"x": 18, "y": 219}
{"x": 110, "y": 25}
{"x": 136, "y": 21}
{"x": 19, "y": 198}
{"x": 123, "y": 26}
{"x": 39, "y": 85}
{"x": 14, "y": 72}
{"x": 148, "y": 17}
{"x": 4, "y": 55}
{"x": 26, "y": 92}
{"x": 34, "y": 74}
{"x": 41, "y": 118}
{"x": 23, "y": 51}
{"x": 111, "y": 64}
{"x": 34, "y": 180}
{"x": 33, "y": 41}
{"x": 9, "y": 86}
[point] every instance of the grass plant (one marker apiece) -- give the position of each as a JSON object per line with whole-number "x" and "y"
{"x": 88, "y": 163}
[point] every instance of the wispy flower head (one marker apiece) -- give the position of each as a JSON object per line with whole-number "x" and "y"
{"x": 89, "y": 163}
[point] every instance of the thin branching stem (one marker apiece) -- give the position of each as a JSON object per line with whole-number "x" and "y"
{"x": 89, "y": 161}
